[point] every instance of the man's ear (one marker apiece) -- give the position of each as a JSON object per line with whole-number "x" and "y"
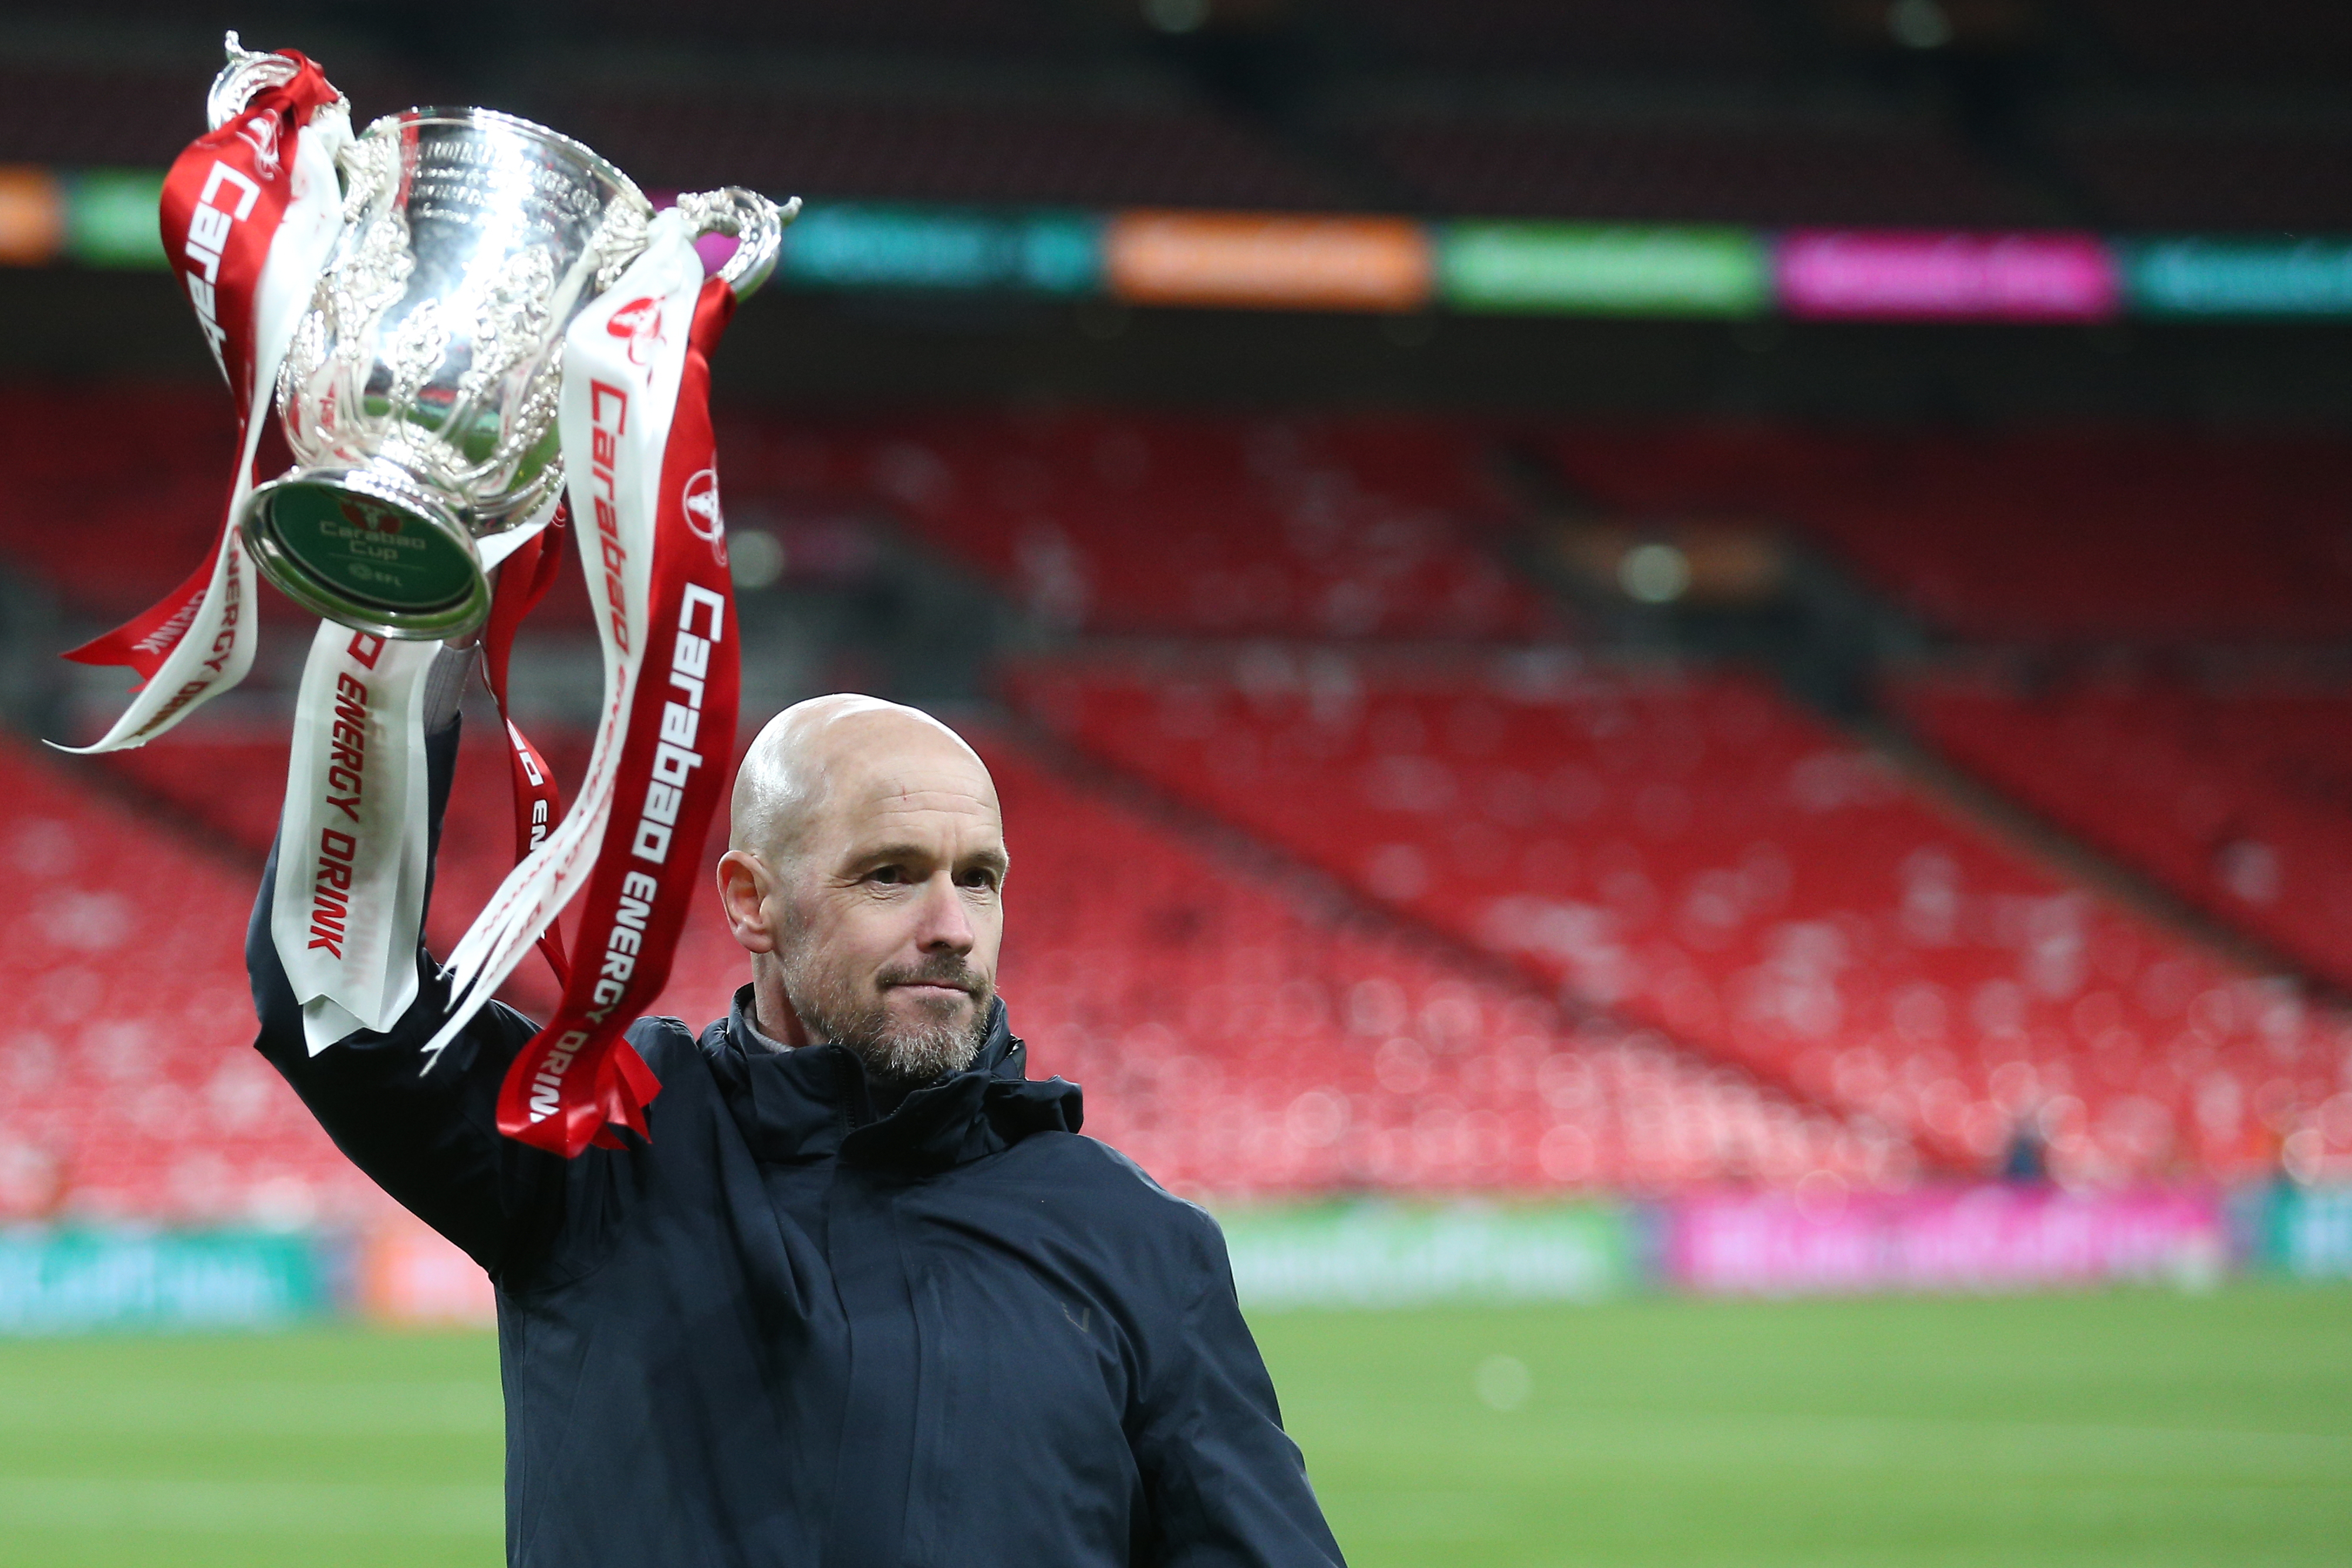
{"x": 744, "y": 884}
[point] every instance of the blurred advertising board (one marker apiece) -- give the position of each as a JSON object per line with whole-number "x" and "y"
{"x": 111, "y": 218}
{"x": 62, "y": 1280}
{"x": 1599, "y": 269}
{"x": 1901, "y": 276}
{"x": 860, "y": 245}
{"x": 1969, "y": 1238}
{"x": 409, "y": 1275}
{"x": 2307, "y": 1231}
{"x": 2187, "y": 277}
{"x": 32, "y": 216}
{"x": 1272, "y": 261}
{"x": 1394, "y": 1255}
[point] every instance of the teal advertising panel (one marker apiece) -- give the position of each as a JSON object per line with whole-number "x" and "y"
{"x": 62, "y": 1280}
{"x": 858, "y": 245}
{"x": 1603, "y": 270}
{"x": 2190, "y": 277}
{"x": 2310, "y": 1231}
{"x": 1393, "y": 1255}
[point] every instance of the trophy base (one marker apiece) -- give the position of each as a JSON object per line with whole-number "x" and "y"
{"x": 369, "y": 547}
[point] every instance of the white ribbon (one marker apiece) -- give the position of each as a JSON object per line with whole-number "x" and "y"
{"x": 216, "y": 650}
{"x": 633, "y": 339}
{"x": 349, "y": 900}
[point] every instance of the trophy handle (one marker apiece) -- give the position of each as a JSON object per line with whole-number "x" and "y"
{"x": 757, "y": 223}
{"x": 247, "y": 73}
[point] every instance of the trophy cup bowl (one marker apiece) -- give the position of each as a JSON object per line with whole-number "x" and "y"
{"x": 419, "y": 394}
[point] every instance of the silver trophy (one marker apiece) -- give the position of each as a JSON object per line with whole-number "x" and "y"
{"x": 419, "y": 392}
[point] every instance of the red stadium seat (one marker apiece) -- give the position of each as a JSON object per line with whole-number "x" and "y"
{"x": 1689, "y": 853}
{"x": 129, "y": 1087}
{"x": 2162, "y": 537}
{"x": 1328, "y": 528}
{"x": 2233, "y": 793}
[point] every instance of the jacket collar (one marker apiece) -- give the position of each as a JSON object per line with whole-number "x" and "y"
{"x": 809, "y": 1103}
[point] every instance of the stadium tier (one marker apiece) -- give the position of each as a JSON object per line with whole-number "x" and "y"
{"x": 1242, "y": 1035}
{"x": 1734, "y": 164}
{"x": 908, "y": 26}
{"x": 2164, "y": 169}
{"x": 2252, "y": 41}
{"x": 127, "y": 1085}
{"x": 2233, "y": 791}
{"x": 1579, "y": 38}
{"x": 2149, "y": 537}
{"x": 1688, "y": 852}
{"x": 64, "y": 481}
{"x": 1329, "y": 528}
{"x": 1147, "y": 147}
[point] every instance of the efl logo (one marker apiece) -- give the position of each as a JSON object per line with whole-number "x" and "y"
{"x": 367, "y": 516}
{"x": 640, "y": 322}
{"x": 703, "y": 519}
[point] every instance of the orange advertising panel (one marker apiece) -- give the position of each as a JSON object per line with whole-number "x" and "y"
{"x": 408, "y": 1274}
{"x": 1267, "y": 261}
{"x": 32, "y": 217}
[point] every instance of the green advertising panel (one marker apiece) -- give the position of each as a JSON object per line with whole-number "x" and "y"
{"x": 56, "y": 1281}
{"x": 1603, "y": 270}
{"x": 111, "y": 218}
{"x": 1383, "y": 1255}
{"x": 2239, "y": 276}
{"x": 853, "y": 245}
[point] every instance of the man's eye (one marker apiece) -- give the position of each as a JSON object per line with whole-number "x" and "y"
{"x": 980, "y": 878}
{"x": 890, "y": 873}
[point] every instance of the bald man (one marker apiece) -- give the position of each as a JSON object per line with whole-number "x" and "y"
{"x": 865, "y": 1300}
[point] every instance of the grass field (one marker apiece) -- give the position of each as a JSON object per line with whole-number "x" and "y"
{"x": 2140, "y": 1428}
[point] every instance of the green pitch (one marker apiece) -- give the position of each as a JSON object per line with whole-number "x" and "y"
{"x": 2129, "y": 1428}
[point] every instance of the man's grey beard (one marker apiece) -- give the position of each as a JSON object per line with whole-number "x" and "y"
{"x": 834, "y": 1009}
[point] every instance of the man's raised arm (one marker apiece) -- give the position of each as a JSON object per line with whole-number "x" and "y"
{"x": 427, "y": 1135}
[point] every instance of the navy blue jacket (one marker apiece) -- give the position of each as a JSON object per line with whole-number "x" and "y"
{"x": 789, "y": 1331}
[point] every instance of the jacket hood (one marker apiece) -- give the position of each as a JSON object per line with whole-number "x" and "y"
{"x": 815, "y": 1101}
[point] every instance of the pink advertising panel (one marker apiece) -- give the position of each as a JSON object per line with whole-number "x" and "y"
{"x": 1976, "y": 1238}
{"x": 1904, "y": 275}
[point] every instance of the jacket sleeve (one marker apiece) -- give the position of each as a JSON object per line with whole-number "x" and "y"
{"x": 426, "y": 1135}
{"x": 1227, "y": 1487}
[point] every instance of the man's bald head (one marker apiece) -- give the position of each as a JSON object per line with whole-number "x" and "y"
{"x": 866, "y": 877}
{"x": 807, "y": 753}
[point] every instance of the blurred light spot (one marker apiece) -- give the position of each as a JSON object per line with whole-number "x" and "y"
{"x": 1503, "y": 1382}
{"x": 1919, "y": 24}
{"x": 755, "y": 557}
{"x": 1653, "y": 574}
{"x": 1176, "y": 15}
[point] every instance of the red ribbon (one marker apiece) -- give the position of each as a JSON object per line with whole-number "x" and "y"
{"x": 223, "y": 202}
{"x": 523, "y": 581}
{"x": 579, "y": 1078}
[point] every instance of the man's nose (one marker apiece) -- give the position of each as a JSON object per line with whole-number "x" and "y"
{"x": 943, "y": 924}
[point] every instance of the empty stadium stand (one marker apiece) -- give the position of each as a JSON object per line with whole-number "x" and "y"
{"x": 1127, "y": 142}
{"x": 129, "y": 1087}
{"x": 2251, "y": 42}
{"x": 1686, "y": 851}
{"x": 2154, "y": 538}
{"x": 1578, "y": 37}
{"x": 1241, "y": 1036}
{"x": 1740, "y": 162}
{"x": 2235, "y": 791}
{"x": 2163, "y": 168}
{"x": 1130, "y": 524}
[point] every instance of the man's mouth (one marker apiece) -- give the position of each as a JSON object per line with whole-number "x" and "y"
{"x": 931, "y": 989}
